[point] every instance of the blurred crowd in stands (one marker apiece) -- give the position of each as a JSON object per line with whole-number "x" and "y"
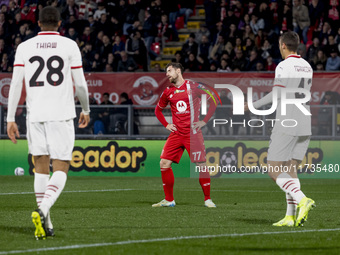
{"x": 121, "y": 35}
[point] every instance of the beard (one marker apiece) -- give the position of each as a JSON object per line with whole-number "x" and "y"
{"x": 173, "y": 80}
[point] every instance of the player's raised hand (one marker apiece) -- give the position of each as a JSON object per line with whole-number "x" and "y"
{"x": 12, "y": 131}
{"x": 198, "y": 125}
{"x": 84, "y": 120}
{"x": 171, "y": 127}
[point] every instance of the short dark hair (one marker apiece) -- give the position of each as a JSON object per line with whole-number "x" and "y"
{"x": 49, "y": 16}
{"x": 106, "y": 94}
{"x": 291, "y": 40}
{"x": 124, "y": 95}
{"x": 176, "y": 66}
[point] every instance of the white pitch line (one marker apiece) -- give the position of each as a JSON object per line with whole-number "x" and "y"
{"x": 71, "y": 191}
{"x": 80, "y": 246}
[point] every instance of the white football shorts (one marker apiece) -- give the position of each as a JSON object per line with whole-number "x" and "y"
{"x": 54, "y": 138}
{"x": 283, "y": 147}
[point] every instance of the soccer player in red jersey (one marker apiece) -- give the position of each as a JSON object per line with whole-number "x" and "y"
{"x": 184, "y": 97}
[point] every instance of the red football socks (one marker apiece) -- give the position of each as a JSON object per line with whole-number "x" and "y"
{"x": 168, "y": 183}
{"x": 204, "y": 179}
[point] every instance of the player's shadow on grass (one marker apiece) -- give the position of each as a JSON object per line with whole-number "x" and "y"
{"x": 255, "y": 221}
{"x": 21, "y": 230}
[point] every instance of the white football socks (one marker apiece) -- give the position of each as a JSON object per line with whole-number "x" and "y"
{"x": 53, "y": 189}
{"x": 291, "y": 203}
{"x": 40, "y": 184}
{"x": 290, "y": 186}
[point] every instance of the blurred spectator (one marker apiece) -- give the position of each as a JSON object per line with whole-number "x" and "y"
{"x": 112, "y": 62}
{"x": 203, "y": 63}
{"x": 316, "y": 11}
{"x": 239, "y": 62}
{"x": 333, "y": 13}
{"x": 178, "y": 58}
{"x": 97, "y": 64}
{"x": 106, "y": 47}
{"x": 253, "y": 60}
{"x": 130, "y": 15}
{"x": 286, "y": 19}
{"x": 266, "y": 15}
{"x": 217, "y": 49}
{"x": 326, "y": 31}
{"x": 104, "y": 113}
{"x": 86, "y": 8}
{"x": 187, "y": 8}
{"x": 72, "y": 34}
{"x": 86, "y": 36}
{"x": 248, "y": 33}
{"x": 230, "y": 18}
{"x": 204, "y": 46}
{"x": 135, "y": 48}
{"x": 149, "y": 33}
{"x": 312, "y": 50}
{"x": 101, "y": 10}
{"x": 27, "y": 13}
{"x": 156, "y": 10}
{"x": 118, "y": 46}
{"x": 270, "y": 64}
{"x": 191, "y": 65}
{"x": 333, "y": 62}
{"x": 203, "y": 31}
{"x": 301, "y": 21}
{"x": 70, "y": 9}
{"x": 330, "y": 98}
{"x": 224, "y": 66}
{"x": 319, "y": 59}
{"x": 164, "y": 31}
{"x": 6, "y": 66}
{"x": 172, "y": 8}
{"x": 190, "y": 46}
{"x": 157, "y": 68}
{"x": 211, "y": 18}
{"x": 245, "y": 21}
{"x": 256, "y": 23}
{"x": 119, "y": 118}
{"x": 274, "y": 11}
{"x": 302, "y": 50}
{"x": 126, "y": 64}
{"x": 259, "y": 67}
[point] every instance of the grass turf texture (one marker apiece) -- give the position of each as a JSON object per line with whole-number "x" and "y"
{"x": 96, "y": 217}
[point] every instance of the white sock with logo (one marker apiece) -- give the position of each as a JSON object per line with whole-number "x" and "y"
{"x": 53, "y": 189}
{"x": 290, "y": 186}
{"x": 40, "y": 184}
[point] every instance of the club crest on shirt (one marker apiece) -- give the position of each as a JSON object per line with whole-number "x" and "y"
{"x": 181, "y": 106}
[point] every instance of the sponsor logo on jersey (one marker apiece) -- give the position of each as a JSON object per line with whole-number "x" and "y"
{"x": 179, "y": 91}
{"x": 181, "y": 106}
{"x": 144, "y": 90}
{"x": 4, "y": 90}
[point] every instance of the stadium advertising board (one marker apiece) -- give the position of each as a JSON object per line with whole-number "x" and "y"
{"x": 225, "y": 159}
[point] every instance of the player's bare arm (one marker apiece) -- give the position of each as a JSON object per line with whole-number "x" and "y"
{"x": 12, "y": 131}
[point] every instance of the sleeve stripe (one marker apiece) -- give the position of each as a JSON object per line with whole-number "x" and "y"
{"x": 279, "y": 86}
{"x": 75, "y": 67}
{"x": 19, "y": 65}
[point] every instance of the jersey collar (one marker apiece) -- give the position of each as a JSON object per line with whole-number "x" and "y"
{"x": 293, "y": 56}
{"x": 49, "y": 33}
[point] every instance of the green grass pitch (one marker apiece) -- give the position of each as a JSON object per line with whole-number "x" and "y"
{"x": 111, "y": 215}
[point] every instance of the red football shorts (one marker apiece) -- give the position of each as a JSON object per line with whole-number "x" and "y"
{"x": 175, "y": 145}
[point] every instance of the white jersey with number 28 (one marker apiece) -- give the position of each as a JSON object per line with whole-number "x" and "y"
{"x": 293, "y": 72}
{"x": 47, "y": 60}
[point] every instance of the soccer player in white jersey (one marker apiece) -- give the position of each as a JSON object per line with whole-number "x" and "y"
{"x": 48, "y": 63}
{"x": 288, "y": 145}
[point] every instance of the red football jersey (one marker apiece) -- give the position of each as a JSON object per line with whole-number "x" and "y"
{"x": 185, "y": 103}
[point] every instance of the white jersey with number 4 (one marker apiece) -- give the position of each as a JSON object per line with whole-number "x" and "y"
{"x": 293, "y": 72}
{"x": 47, "y": 60}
